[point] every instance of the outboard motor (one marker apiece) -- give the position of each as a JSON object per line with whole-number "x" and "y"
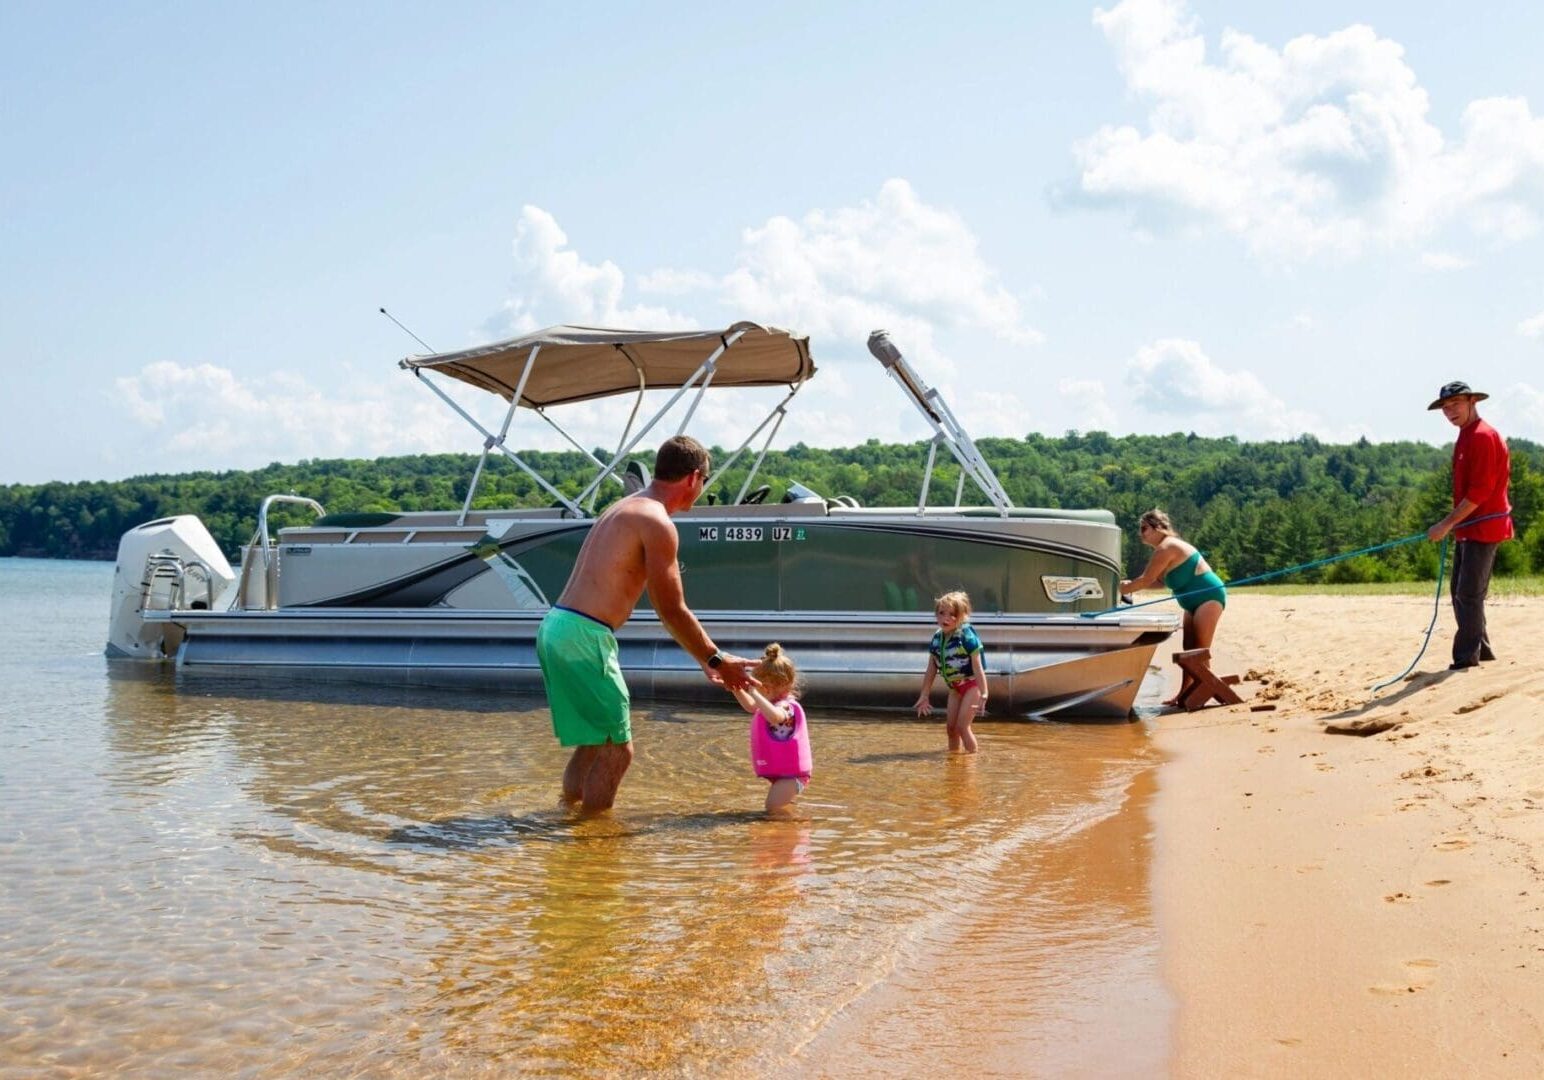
{"x": 170, "y": 564}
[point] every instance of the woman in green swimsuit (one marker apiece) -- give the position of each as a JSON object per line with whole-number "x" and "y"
{"x": 1185, "y": 572}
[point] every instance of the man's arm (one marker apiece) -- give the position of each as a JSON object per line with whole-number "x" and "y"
{"x": 662, "y": 577}
{"x": 1439, "y": 531}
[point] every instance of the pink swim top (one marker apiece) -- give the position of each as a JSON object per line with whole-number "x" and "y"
{"x": 782, "y": 750}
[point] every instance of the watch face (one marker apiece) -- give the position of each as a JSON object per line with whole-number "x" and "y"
{"x": 715, "y": 660}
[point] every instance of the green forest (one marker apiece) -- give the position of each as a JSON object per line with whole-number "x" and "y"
{"x": 1252, "y": 507}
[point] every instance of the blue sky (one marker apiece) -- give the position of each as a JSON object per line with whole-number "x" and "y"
{"x": 1141, "y": 217}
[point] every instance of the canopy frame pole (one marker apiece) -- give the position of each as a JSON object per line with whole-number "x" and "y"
{"x": 489, "y": 443}
{"x": 575, "y": 443}
{"x": 780, "y": 407}
{"x": 632, "y": 417}
{"x": 971, "y": 458}
{"x": 941, "y": 419}
{"x": 703, "y": 389}
{"x": 705, "y": 367}
{"x": 498, "y": 443}
{"x": 927, "y": 472}
{"x": 781, "y": 412}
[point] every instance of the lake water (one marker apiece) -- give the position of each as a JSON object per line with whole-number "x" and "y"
{"x": 203, "y": 877}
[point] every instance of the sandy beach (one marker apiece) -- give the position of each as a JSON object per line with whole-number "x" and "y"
{"x": 1356, "y": 905}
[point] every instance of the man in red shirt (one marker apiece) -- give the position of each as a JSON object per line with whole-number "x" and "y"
{"x": 1481, "y": 469}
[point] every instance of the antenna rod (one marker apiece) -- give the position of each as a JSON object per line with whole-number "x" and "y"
{"x": 408, "y": 332}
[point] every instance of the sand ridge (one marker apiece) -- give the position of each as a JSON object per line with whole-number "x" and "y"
{"x": 1341, "y": 905}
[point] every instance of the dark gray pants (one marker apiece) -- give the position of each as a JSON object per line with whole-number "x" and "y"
{"x": 1472, "y": 564}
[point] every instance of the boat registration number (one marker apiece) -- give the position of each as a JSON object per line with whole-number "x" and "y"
{"x": 753, "y": 533}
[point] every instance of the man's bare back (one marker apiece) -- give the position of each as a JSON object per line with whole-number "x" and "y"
{"x": 612, "y": 569}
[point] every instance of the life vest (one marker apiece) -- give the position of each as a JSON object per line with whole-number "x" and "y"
{"x": 776, "y": 758}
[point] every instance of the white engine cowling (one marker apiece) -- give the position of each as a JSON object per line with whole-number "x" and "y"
{"x": 171, "y": 563}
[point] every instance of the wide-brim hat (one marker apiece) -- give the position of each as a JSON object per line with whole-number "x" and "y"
{"x": 1452, "y": 390}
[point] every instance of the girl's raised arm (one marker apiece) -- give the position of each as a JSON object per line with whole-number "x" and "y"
{"x": 743, "y": 696}
{"x": 774, "y": 713}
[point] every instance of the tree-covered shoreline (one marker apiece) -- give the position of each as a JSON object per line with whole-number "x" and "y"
{"x": 1251, "y": 506}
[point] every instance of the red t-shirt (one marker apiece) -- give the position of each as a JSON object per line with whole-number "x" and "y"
{"x": 1481, "y": 469}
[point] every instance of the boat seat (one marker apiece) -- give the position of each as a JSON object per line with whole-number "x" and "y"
{"x": 635, "y": 477}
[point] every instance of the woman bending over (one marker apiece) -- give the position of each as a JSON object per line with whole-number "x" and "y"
{"x": 1185, "y": 572}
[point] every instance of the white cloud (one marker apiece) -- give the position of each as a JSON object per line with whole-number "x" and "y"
{"x": 1443, "y": 260}
{"x": 1173, "y": 377}
{"x": 1087, "y": 405}
{"x": 556, "y": 286}
{"x": 1519, "y": 411}
{"x": 1533, "y": 326}
{"x": 191, "y": 416}
{"x": 893, "y": 262}
{"x": 1321, "y": 147}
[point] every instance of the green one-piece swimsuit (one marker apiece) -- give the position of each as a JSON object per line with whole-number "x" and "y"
{"x": 1192, "y": 589}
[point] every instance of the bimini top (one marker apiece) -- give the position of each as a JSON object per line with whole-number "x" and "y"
{"x": 578, "y": 363}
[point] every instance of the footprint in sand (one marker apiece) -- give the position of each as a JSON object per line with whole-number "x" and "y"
{"x": 1324, "y": 766}
{"x": 1452, "y": 843}
{"x": 1310, "y": 868}
{"x": 1398, "y": 898}
{"x": 1440, "y": 881}
{"x": 1486, "y": 700}
{"x": 1419, "y": 975}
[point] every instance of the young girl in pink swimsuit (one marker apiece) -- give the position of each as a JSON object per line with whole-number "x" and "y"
{"x": 780, "y": 739}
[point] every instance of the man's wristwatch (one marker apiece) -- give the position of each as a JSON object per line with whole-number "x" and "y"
{"x": 716, "y": 660}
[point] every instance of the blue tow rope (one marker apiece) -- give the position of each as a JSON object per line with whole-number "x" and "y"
{"x": 1436, "y": 608}
{"x": 1412, "y": 538}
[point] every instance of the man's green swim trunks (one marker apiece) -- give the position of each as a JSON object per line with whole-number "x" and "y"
{"x": 589, "y": 700}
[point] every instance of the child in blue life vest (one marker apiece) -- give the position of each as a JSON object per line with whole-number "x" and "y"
{"x": 956, "y": 652}
{"x": 780, "y": 739}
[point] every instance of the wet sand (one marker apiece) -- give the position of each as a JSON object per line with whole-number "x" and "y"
{"x": 1357, "y": 904}
{"x": 1326, "y": 904}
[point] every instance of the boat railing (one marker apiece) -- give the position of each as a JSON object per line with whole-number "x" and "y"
{"x": 166, "y": 583}
{"x": 261, "y": 593}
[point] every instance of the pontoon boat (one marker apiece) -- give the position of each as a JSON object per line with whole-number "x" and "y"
{"x": 454, "y": 597}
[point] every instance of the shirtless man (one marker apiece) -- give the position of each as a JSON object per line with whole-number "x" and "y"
{"x": 631, "y": 546}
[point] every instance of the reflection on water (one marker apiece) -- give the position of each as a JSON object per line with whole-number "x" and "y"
{"x": 226, "y": 876}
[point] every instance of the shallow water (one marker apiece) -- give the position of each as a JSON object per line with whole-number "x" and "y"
{"x": 210, "y": 876}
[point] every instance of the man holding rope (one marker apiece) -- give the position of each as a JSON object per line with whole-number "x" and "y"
{"x": 1481, "y": 470}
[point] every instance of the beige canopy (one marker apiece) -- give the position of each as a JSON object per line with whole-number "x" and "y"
{"x": 578, "y": 363}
